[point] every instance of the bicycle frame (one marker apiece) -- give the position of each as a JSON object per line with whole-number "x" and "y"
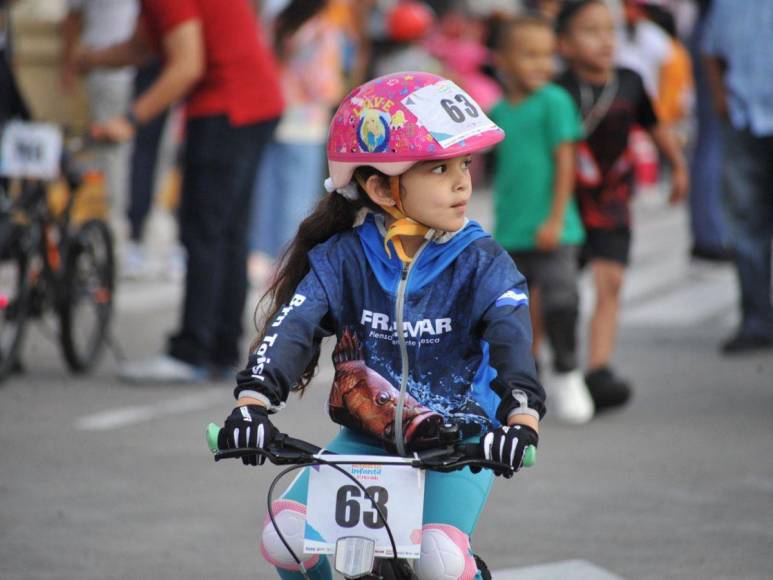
{"x": 32, "y": 211}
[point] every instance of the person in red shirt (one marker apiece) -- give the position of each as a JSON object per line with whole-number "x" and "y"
{"x": 215, "y": 59}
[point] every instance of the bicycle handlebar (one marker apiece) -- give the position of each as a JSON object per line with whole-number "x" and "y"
{"x": 285, "y": 450}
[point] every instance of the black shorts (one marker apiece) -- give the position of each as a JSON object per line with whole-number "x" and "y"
{"x": 554, "y": 273}
{"x": 603, "y": 244}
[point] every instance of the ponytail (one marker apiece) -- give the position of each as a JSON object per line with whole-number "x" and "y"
{"x": 334, "y": 214}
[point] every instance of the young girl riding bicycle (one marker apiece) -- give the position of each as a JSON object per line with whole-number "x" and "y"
{"x": 388, "y": 248}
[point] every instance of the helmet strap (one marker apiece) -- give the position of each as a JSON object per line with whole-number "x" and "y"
{"x": 402, "y": 226}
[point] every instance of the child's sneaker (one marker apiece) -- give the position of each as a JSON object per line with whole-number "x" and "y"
{"x": 569, "y": 399}
{"x": 607, "y": 390}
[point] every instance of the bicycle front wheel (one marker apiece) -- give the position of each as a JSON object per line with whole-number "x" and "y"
{"x": 16, "y": 248}
{"x": 86, "y": 304}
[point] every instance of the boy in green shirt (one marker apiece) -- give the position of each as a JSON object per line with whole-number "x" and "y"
{"x": 536, "y": 218}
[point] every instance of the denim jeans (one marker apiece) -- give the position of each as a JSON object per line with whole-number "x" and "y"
{"x": 288, "y": 186}
{"x": 219, "y": 168}
{"x": 748, "y": 183}
{"x": 707, "y": 222}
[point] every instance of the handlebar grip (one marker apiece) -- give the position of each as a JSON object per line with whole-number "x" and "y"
{"x": 212, "y": 432}
{"x": 474, "y": 451}
{"x": 281, "y": 442}
{"x": 530, "y": 456}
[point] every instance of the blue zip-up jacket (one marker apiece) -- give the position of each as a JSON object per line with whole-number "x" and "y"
{"x": 466, "y": 327}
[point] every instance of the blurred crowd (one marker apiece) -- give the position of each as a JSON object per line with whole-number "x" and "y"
{"x": 246, "y": 89}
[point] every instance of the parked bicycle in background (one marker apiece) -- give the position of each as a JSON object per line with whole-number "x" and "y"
{"x": 56, "y": 249}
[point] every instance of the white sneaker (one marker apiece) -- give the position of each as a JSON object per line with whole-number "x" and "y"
{"x": 134, "y": 264}
{"x": 569, "y": 399}
{"x": 161, "y": 369}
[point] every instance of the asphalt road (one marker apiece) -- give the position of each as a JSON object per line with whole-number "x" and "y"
{"x": 100, "y": 480}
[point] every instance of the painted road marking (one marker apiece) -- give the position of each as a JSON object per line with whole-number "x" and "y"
{"x": 125, "y": 416}
{"x": 134, "y": 297}
{"x": 698, "y": 301}
{"x": 672, "y": 293}
{"x": 556, "y": 571}
{"x": 135, "y": 414}
{"x": 142, "y": 297}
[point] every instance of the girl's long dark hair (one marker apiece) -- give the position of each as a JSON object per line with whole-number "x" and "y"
{"x": 334, "y": 214}
{"x": 289, "y": 20}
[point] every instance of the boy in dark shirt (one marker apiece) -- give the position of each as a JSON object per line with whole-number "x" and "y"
{"x": 611, "y": 101}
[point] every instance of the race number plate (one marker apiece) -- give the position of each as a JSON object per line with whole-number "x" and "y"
{"x": 337, "y": 508}
{"x": 30, "y": 150}
{"x": 447, "y": 112}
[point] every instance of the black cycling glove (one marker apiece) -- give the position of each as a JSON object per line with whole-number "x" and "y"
{"x": 247, "y": 426}
{"x": 508, "y": 445}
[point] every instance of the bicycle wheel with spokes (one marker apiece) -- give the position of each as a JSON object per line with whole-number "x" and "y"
{"x": 16, "y": 247}
{"x": 86, "y": 303}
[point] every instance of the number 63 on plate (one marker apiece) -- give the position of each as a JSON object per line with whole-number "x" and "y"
{"x": 338, "y": 508}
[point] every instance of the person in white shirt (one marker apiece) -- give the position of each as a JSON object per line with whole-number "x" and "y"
{"x": 96, "y": 24}
{"x": 642, "y": 46}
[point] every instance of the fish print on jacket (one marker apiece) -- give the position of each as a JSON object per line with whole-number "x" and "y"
{"x": 364, "y": 400}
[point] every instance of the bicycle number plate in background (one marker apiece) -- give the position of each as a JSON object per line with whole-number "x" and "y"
{"x": 337, "y": 508}
{"x": 447, "y": 112}
{"x": 30, "y": 150}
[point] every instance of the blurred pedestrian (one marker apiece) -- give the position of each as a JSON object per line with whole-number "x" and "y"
{"x": 214, "y": 57}
{"x": 94, "y": 25}
{"x": 536, "y": 217}
{"x": 739, "y": 70}
{"x": 12, "y": 103}
{"x": 708, "y": 223}
{"x": 675, "y": 98}
{"x": 611, "y": 100}
{"x": 549, "y": 9}
{"x": 459, "y": 44}
{"x": 642, "y": 45}
{"x": 408, "y": 25}
{"x": 289, "y": 181}
{"x": 143, "y": 174}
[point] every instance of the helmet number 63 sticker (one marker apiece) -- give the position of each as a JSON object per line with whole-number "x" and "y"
{"x": 447, "y": 112}
{"x": 456, "y": 114}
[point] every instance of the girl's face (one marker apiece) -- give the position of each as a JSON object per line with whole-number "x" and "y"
{"x": 435, "y": 193}
{"x": 590, "y": 40}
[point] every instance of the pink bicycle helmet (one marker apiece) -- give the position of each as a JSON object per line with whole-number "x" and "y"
{"x": 395, "y": 121}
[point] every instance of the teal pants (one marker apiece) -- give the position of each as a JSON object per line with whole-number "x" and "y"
{"x": 451, "y": 500}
